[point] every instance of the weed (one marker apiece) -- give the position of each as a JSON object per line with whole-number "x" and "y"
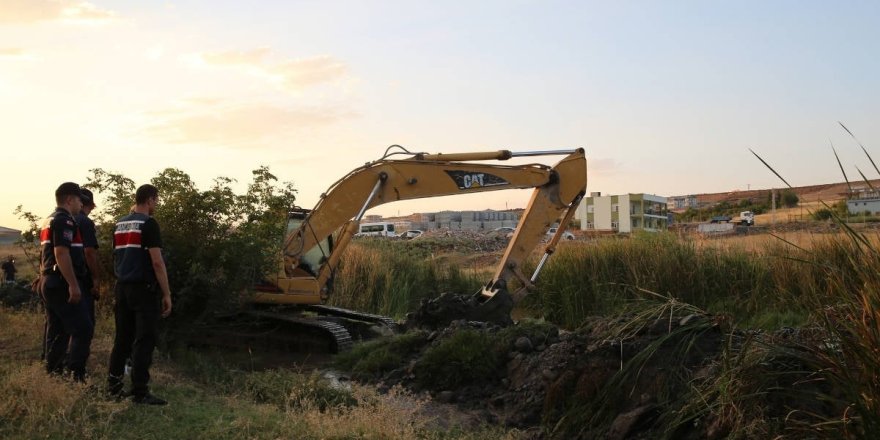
{"x": 465, "y": 357}
{"x": 374, "y": 358}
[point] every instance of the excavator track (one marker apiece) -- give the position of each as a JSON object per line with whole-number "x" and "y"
{"x": 320, "y": 329}
{"x": 352, "y": 314}
{"x": 340, "y": 335}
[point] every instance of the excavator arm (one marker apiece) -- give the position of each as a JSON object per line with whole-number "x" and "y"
{"x": 558, "y": 191}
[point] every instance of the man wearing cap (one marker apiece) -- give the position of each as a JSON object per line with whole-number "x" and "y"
{"x": 69, "y": 328}
{"x": 142, "y": 296}
{"x": 9, "y": 270}
{"x": 89, "y": 252}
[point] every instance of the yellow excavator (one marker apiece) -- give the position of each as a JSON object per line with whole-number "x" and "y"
{"x": 317, "y": 238}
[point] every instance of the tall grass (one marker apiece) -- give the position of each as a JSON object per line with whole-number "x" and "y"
{"x": 766, "y": 288}
{"x": 393, "y": 277}
{"x": 832, "y": 285}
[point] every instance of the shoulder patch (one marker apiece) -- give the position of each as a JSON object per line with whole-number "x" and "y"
{"x": 68, "y": 234}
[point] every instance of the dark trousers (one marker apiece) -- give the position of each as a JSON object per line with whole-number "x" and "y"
{"x": 137, "y": 318}
{"x": 69, "y": 331}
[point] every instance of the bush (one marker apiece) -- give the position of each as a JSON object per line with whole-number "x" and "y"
{"x": 466, "y": 357}
{"x": 287, "y": 389}
{"x": 216, "y": 243}
{"x": 822, "y": 214}
{"x": 374, "y": 358}
{"x": 789, "y": 199}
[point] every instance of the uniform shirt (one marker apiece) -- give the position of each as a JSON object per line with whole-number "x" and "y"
{"x": 134, "y": 236}
{"x": 9, "y": 270}
{"x": 89, "y": 240}
{"x": 59, "y": 229}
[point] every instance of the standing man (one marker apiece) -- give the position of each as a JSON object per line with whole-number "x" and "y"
{"x": 89, "y": 252}
{"x": 9, "y": 270}
{"x": 69, "y": 329}
{"x": 142, "y": 295}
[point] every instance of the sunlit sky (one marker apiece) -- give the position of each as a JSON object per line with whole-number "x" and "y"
{"x": 666, "y": 97}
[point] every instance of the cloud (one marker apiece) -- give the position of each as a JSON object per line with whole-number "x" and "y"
{"x": 33, "y": 11}
{"x": 238, "y": 126}
{"x": 236, "y": 57}
{"x": 292, "y": 74}
{"x": 12, "y": 53}
{"x": 310, "y": 71}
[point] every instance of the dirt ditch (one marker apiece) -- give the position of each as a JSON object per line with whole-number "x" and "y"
{"x": 665, "y": 375}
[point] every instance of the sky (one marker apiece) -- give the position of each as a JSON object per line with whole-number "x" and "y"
{"x": 666, "y": 97}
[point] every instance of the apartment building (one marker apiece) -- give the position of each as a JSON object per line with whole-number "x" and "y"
{"x": 623, "y": 213}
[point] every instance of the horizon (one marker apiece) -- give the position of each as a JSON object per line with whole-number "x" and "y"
{"x": 665, "y": 97}
{"x": 391, "y": 215}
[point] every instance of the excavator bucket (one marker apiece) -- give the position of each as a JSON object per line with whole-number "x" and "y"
{"x": 439, "y": 312}
{"x": 495, "y": 308}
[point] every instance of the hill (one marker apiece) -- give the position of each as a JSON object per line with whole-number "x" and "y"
{"x": 828, "y": 192}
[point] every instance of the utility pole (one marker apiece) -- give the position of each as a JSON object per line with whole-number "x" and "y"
{"x": 773, "y": 216}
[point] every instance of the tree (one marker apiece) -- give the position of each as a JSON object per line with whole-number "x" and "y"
{"x": 216, "y": 243}
{"x": 790, "y": 199}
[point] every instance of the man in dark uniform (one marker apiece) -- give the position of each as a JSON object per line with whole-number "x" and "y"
{"x": 9, "y": 270}
{"x": 142, "y": 295}
{"x": 69, "y": 328}
{"x": 89, "y": 251}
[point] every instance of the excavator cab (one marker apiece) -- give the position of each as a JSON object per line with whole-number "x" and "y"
{"x": 312, "y": 259}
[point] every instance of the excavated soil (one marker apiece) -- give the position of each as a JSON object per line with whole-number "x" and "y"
{"x": 607, "y": 379}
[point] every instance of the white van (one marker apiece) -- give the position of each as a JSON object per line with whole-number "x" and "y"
{"x": 376, "y": 230}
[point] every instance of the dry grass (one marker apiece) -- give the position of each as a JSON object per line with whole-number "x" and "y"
{"x": 27, "y": 267}
{"x": 35, "y": 405}
{"x": 759, "y": 242}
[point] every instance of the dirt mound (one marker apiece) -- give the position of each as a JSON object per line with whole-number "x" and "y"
{"x": 463, "y": 240}
{"x": 609, "y": 379}
{"x": 448, "y": 307}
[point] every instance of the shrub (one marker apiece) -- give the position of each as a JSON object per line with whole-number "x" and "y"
{"x": 374, "y": 358}
{"x": 287, "y": 389}
{"x": 466, "y": 357}
{"x": 216, "y": 242}
{"x": 822, "y": 214}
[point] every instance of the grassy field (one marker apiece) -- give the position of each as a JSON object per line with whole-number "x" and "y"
{"x": 211, "y": 397}
{"x": 27, "y": 267}
{"x": 831, "y": 282}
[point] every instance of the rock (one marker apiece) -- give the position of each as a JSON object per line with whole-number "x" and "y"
{"x": 548, "y": 374}
{"x": 659, "y": 326}
{"x": 446, "y": 396}
{"x": 523, "y": 344}
{"x": 541, "y": 347}
{"x": 689, "y": 319}
{"x": 626, "y": 423}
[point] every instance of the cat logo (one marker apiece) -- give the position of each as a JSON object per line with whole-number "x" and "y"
{"x": 469, "y": 180}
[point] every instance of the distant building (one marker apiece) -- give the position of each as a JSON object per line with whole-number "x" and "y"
{"x": 9, "y": 235}
{"x": 683, "y": 202}
{"x": 467, "y": 220}
{"x": 865, "y": 201}
{"x": 624, "y": 213}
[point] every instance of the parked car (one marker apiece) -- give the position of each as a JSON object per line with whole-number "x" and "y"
{"x": 412, "y": 233}
{"x": 504, "y": 231}
{"x": 565, "y": 235}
